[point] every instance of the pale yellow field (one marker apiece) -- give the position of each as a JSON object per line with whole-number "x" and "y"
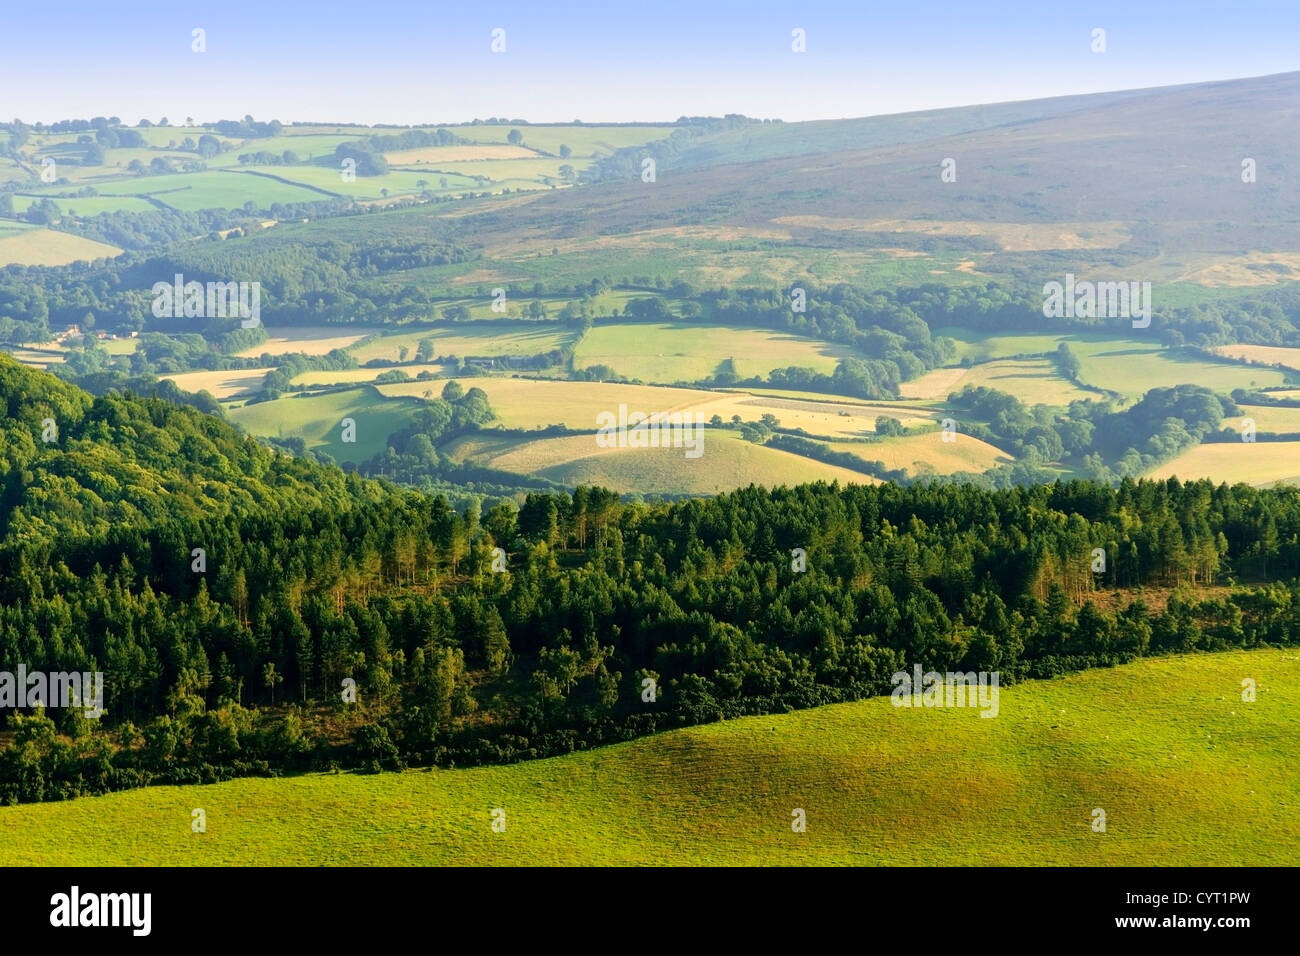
{"x": 1267, "y": 418}
{"x": 1268, "y": 354}
{"x": 1033, "y": 381}
{"x": 353, "y": 375}
{"x": 920, "y": 453}
{"x": 46, "y": 247}
{"x": 221, "y": 384}
{"x": 938, "y": 384}
{"x": 456, "y": 154}
{"x": 725, "y": 462}
{"x": 530, "y": 403}
{"x": 471, "y": 338}
{"x": 308, "y": 339}
{"x": 817, "y": 417}
{"x": 35, "y": 358}
{"x": 1256, "y": 463}
{"x": 533, "y": 403}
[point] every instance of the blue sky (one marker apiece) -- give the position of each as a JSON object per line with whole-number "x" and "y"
{"x": 421, "y": 62}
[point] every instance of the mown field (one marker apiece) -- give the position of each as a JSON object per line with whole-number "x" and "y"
{"x": 46, "y": 247}
{"x": 725, "y": 462}
{"x": 668, "y": 352}
{"x": 1256, "y": 463}
{"x": 481, "y": 338}
{"x": 1187, "y": 773}
{"x": 317, "y": 419}
{"x": 1033, "y": 381}
{"x": 920, "y": 453}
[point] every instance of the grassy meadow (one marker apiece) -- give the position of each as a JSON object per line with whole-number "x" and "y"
{"x": 1186, "y": 772}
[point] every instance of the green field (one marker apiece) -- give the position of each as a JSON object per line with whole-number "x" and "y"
{"x": 669, "y": 352}
{"x": 317, "y": 420}
{"x": 725, "y": 462}
{"x": 1126, "y": 364}
{"x": 90, "y": 205}
{"x": 369, "y": 187}
{"x": 1187, "y": 774}
{"x": 479, "y": 338}
{"x": 218, "y": 189}
{"x": 583, "y": 140}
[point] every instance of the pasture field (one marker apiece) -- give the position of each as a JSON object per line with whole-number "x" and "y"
{"x": 456, "y": 154}
{"x": 221, "y": 384}
{"x": 537, "y": 403}
{"x": 48, "y": 247}
{"x": 40, "y": 357}
{"x": 397, "y": 182}
{"x": 531, "y": 403}
{"x": 1033, "y": 381}
{"x": 1128, "y": 365}
{"x": 521, "y": 169}
{"x": 669, "y": 352}
{"x": 88, "y": 205}
{"x": 1255, "y": 463}
{"x": 317, "y": 419}
{"x": 1268, "y": 354}
{"x": 308, "y": 146}
{"x": 308, "y": 339}
{"x": 726, "y": 462}
{"x": 926, "y": 452}
{"x": 1187, "y": 773}
{"x": 480, "y": 338}
{"x": 213, "y": 189}
{"x": 584, "y": 140}
{"x": 1267, "y": 418}
{"x": 356, "y": 375}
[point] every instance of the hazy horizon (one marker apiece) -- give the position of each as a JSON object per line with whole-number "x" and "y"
{"x": 654, "y": 64}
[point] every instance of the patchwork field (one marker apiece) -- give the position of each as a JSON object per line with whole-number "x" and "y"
{"x": 1127, "y": 365}
{"x": 929, "y": 453}
{"x": 308, "y": 339}
{"x": 223, "y": 384}
{"x": 1187, "y": 774}
{"x": 1267, "y": 418}
{"x": 1256, "y": 463}
{"x": 480, "y": 338}
{"x": 396, "y": 182}
{"x": 88, "y": 205}
{"x": 670, "y": 352}
{"x": 1033, "y": 381}
{"x": 585, "y": 140}
{"x": 47, "y": 247}
{"x": 534, "y": 403}
{"x": 726, "y": 462}
{"x": 317, "y": 419}
{"x": 456, "y": 154}
{"x": 530, "y": 403}
{"x": 1268, "y": 354}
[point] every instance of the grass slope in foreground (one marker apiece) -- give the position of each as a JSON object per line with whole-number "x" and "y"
{"x": 1187, "y": 773}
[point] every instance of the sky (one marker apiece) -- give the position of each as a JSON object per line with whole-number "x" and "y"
{"x": 414, "y": 62}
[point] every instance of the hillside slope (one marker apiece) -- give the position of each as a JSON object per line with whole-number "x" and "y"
{"x": 1187, "y": 774}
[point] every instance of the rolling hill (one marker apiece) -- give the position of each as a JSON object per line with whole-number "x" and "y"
{"x": 1187, "y": 774}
